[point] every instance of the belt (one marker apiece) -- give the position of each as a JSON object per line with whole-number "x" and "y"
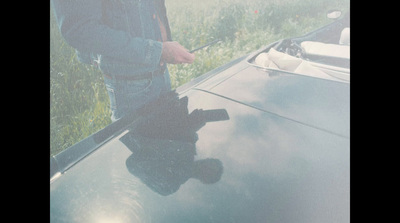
{"x": 147, "y": 75}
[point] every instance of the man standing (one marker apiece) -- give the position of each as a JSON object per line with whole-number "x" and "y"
{"x": 129, "y": 41}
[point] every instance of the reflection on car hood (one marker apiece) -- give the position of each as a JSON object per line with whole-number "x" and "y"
{"x": 305, "y": 100}
{"x": 240, "y": 146}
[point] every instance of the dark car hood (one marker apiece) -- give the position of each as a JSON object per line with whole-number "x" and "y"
{"x": 306, "y": 100}
{"x": 284, "y": 147}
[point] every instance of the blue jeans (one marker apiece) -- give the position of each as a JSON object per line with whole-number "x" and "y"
{"x": 127, "y": 96}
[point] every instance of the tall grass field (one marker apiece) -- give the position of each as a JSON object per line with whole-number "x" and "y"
{"x": 79, "y": 104}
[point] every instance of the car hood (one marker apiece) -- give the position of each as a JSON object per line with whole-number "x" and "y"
{"x": 306, "y": 100}
{"x": 278, "y": 145}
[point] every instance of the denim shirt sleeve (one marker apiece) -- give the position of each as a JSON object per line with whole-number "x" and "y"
{"x": 80, "y": 24}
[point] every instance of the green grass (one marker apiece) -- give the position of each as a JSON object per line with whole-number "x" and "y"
{"x": 78, "y": 99}
{"x": 79, "y": 103}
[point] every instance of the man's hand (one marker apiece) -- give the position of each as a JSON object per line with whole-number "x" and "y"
{"x": 175, "y": 53}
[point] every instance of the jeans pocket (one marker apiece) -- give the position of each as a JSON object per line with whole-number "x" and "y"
{"x": 126, "y": 96}
{"x": 132, "y": 88}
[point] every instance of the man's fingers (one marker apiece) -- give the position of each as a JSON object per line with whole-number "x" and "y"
{"x": 186, "y": 58}
{"x": 175, "y": 53}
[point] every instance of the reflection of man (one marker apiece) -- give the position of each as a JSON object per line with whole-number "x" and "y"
{"x": 129, "y": 40}
{"x": 163, "y": 146}
{"x": 164, "y": 165}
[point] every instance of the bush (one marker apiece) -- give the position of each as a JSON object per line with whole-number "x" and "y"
{"x": 229, "y": 22}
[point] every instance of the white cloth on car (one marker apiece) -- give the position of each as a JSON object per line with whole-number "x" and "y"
{"x": 326, "y": 49}
{"x": 282, "y": 61}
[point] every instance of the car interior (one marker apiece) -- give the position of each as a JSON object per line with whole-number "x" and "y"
{"x": 323, "y": 53}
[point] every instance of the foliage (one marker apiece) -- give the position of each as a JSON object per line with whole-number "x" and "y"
{"x": 79, "y": 103}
